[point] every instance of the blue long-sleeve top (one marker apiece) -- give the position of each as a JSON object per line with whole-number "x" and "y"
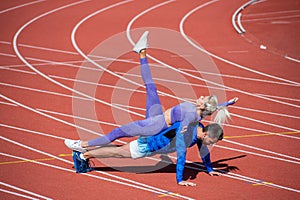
{"x": 171, "y": 140}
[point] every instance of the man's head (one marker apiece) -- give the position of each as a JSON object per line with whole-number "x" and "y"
{"x": 211, "y": 134}
{"x": 207, "y": 105}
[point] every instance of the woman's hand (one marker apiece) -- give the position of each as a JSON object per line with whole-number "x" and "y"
{"x": 232, "y": 101}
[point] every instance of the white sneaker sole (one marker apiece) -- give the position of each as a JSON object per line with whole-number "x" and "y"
{"x": 142, "y": 43}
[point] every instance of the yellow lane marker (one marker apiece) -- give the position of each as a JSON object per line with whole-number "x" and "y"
{"x": 25, "y": 161}
{"x": 262, "y": 183}
{"x": 260, "y": 135}
{"x": 168, "y": 195}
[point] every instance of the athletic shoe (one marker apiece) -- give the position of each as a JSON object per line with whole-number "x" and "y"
{"x": 80, "y": 165}
{"x": 74, "y": 145}
{"x": 142, "y": 43}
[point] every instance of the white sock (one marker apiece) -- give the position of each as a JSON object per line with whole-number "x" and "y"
{"x": 82, "y": 157}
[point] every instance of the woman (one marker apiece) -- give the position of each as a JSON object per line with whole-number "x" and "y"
{"x": 156, "y": 120}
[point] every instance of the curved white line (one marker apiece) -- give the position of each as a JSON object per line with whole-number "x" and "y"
{"x": 20, "y": 6}
{"x": 73, "y": 38}
{"x": 196, "y": 77}
{"x": 139, "y": 15}
{"x": 219, "y": 58}
{"x": 237, "y": 12}
{"x": 15, "y": 46}
{"x": 240, "y": 23}
{"x": 242, "y": 30}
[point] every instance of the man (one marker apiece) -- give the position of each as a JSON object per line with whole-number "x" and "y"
{"x": 167, "y": 141}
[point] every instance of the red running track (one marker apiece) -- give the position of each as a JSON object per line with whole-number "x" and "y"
{"x": 51, "y": 54}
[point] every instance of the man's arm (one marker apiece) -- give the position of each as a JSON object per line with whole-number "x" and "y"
{"x": 181, "y": 158}
{"x": 205, "y": 156}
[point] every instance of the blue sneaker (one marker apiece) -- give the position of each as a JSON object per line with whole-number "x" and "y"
{"x": 81, "y": 165}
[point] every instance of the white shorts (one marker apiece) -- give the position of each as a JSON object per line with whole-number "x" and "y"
{"x": 139, "y": 148}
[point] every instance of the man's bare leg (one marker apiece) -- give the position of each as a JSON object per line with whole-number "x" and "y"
{"x": 109, "y": 152}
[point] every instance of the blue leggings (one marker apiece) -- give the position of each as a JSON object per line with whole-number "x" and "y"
{"x": 151, "y": 125}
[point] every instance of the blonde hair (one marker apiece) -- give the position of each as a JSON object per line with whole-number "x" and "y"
{"x": 222, "y": 115}
{"x": 211, "y": 105}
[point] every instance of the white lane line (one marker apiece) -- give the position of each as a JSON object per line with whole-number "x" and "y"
{"x": 293, "y": 59}
{"x": 272, "y": 13}
{"x": 8, "y": 55}
{"x": 233, "y": 17}
{"x": 31, "y": 131}
{"x": 17, "y": 70}
{"x": 46, "y": 115}
{"x": 270, "y": 124}
{"x": 138, "y": 185}
{"x": 43, "y": 91}
{"x": 243, "y": 178}
{"x": 219, "y": 58}
{"x": 20, "y": 6}
{"x": 100, "y": 58}
{"x": 78, "y": 117}
{"x": 97, "y": 84}
{"x": 279, "y": 186}
{"x": 6, "y": 103}
{"x": 266, "y": 112}
{"x": 172, "y": 81}
{"x": 239, "y": 77}
{"x": 68, "y": 52}
{"x": 266, "y": 151}
{"x": 70, "y": 96}
{"x": 25, "y": 191}
{"x": 250, "y": 129}
{"x": 63, "y": 63}
{"x": 271, "y": 18}
{"x": 278, "y": 97}
{"x": 240, "y": 23}
{"x": 17, "y": 194}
